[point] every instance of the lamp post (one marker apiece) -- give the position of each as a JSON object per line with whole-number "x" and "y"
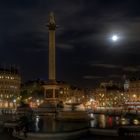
{"x": 134, "y": 97}
{"x": 14, "y": 103}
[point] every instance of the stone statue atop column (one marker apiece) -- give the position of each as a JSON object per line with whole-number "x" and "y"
{"x": 51, "y": 18}
{"x": 51, "y": 24}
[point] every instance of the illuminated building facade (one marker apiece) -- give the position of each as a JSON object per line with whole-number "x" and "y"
{"x": 110, "y": 95}
{"x": 134, "y": 90}
{"x": 133, "y": 93}
{"x": 117, "y": 94}
{"x": 10, "y": 81}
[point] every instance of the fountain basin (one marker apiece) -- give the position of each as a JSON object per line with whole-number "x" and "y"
{"x": 54, "y": 136}
{"x": 72, "y": 116}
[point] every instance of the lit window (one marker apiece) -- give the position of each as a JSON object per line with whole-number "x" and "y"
{"x": 11, "y": 104}
{"x": 6, "y": 104}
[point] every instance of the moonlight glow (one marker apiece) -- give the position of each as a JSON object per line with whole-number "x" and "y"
{"x": 114, "y": 37}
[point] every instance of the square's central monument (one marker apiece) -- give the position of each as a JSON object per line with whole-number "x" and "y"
{"x": 52, "y": 27}
{"x": 52, "y": 88}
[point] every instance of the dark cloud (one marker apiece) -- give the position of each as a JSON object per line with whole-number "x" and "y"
{"x": 106, "y": 66}
{"x": 91, "y": 77}
{"x": 115, "y": 76}
{"x": 131, "y": 69}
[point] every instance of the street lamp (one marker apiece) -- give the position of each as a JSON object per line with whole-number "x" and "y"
{"x": 134, "y": 96}
{"x": 14, "y": 103}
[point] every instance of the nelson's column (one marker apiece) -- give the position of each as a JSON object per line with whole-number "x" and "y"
{"x": 52, "y": 27}
{"x": 54, "y": 91}
{"x": 51, "y": 88}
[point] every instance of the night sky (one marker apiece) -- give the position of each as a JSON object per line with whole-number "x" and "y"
{"x": 85, "y": 52}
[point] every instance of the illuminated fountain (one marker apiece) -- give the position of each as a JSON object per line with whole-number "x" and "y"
{"x": 73, "y": 110}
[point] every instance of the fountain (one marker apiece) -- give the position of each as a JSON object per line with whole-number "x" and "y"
{"x": 72, "y": 112}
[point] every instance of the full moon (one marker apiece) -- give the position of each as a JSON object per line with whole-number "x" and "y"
{"x": 114, "y": 37}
